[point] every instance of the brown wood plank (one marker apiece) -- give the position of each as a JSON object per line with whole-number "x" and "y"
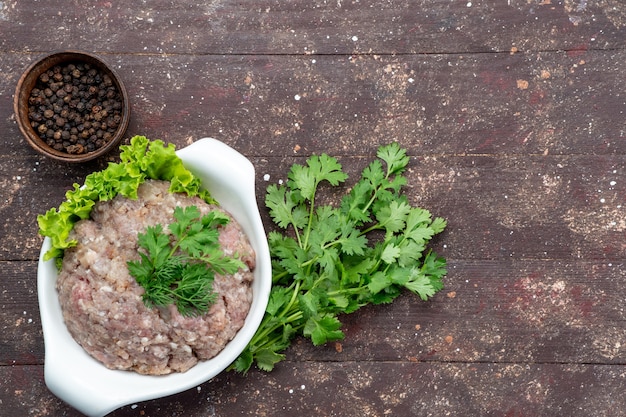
{"x": 496, "y": 312}
{"x": 313, "y": 27}
{"x": 21, "y": 338}
{"x": 498, "y": 207}
{"x": 531, "y": 103}
{"x": 364, "y": 389}
{"x": 490, "y": 311}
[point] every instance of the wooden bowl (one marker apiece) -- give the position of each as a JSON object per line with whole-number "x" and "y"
{"x": 29, "y": 80}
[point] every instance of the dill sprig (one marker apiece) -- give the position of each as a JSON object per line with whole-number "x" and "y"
{"x": 179, "y": 267}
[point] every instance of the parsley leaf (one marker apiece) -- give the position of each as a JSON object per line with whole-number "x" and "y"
{"x": 329, "y": 260}
{"x": 178, "y": 268}
{"x": 318, "y": 169}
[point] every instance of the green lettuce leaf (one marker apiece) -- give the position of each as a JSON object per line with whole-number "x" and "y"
{"x": 142, "y": 159}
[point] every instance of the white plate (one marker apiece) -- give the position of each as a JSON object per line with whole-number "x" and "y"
{"x": 86, "y": 384}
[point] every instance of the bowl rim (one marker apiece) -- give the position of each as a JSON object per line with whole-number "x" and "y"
{"x": 27, "y": 82}
{"x": 74, "y": 376}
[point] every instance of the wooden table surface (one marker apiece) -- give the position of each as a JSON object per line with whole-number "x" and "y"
{"x": 513, "y": 113}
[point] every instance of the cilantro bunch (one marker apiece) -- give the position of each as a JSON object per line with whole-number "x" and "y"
{"x": 334, "y": 260}
{"x": 178, "y": 268}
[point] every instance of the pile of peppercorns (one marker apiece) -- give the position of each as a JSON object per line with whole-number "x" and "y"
{"x": 75, "y": 108}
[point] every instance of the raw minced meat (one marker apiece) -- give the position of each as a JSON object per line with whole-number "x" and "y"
{"x": 102, "y": 303}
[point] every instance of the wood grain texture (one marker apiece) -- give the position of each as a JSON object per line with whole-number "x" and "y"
{"x": 526, "y": 103}
{"x": 355, "y": 389}
{"x": 313, "y": 27}
{"x": 498, "y": 207}
{"x": 513, "y": 114}
{"x": 490, "y": 311}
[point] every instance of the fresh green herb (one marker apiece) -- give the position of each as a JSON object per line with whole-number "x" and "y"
{"x": 334, "y": 260}
{"x": 140, "y": 160}
{"x": 179, "y": 268}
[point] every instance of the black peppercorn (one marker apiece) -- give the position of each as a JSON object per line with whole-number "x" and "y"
{"x": 35, "y": 117}
{"x": 75, "y": 108}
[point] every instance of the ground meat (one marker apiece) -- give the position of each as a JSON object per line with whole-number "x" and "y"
{"x": 102, "y": 304}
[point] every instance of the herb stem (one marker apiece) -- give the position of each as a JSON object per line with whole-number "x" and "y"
{"x": 375, "y": 226}
{"x": 294, "y": 297}
{"x": 310, "y": 224}
{"x": 296, "y": 232}
{"x": 295, "y": 316}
